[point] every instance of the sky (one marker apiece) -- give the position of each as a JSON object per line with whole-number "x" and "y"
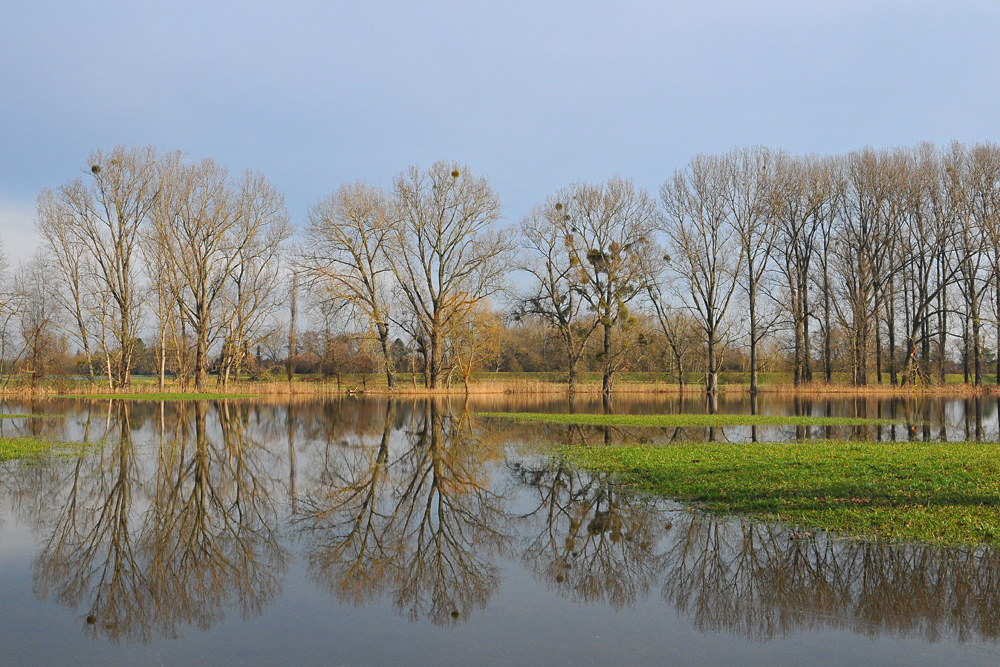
{"x": 533, "y": 95}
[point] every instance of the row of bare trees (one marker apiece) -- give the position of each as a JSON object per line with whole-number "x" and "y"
{"x": 143, "y": 232}
{"x": 890, "y": 255}
{"x": 896, "y": 250}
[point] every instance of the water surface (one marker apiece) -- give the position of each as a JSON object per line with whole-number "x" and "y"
{"x": 374, "y": 532}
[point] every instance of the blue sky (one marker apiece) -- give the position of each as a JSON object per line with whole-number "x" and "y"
{"x": 535, "y": 95}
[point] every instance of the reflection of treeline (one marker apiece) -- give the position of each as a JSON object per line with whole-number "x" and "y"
{"x": 153, "y": 556}
{"x": 417, "y": 503}
{"x": 759, "y": 581}
{"x": 880, "y": 264}
{"x": 593, "y": 543}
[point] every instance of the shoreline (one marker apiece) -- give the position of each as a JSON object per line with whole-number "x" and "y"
{"x": 500, "y": 387}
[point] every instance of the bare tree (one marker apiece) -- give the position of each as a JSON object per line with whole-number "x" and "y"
{"x": 67, "y": 254}
{"x": 553, "y": 293}
{"x": 475, "y": 342}
{"x": 751, "y": 204}
{"x": 805, "y": 201}
{"x": 677, "y": 327}
{"x": 252, "y": 295}
{"x": 11, "y": 302}
{"x": 346, "y": 247}
{"x": 981, "y": 272}
{"x": 215, "y": 222}
{"x": 609, "y": 232}
{"x": 44, "y": 349}
{"x": 446, "y": 254}
{"x": 704, "y": 249}
{"x": 103, "y": 213}
{"x": 865, "y": 254}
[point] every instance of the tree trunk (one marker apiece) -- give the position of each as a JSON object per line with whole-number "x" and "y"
{"x": 573, "y": 363}
{"x": 878, "y": 351}
{"x": 797, "y": 374}
{"x": 977, "y": 356}
{"x": 753, "y": 342}
{"x": 201, "y": 359}
{"x": 163, "y": 358}
{"x": 712, "y": 385}
{"x": 390, "y": 370}
{"x": 435, "y": 368}
{"x": 608, "y": 368}
{"x": 965, "y": 348}
{"x": 807, "y": 373}
{"x": 890, "y": 321}
{"x": 290, "y": 362}
{"x": 827, "y": 344}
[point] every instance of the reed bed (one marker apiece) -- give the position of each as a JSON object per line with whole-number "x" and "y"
{"x": 498, "y": 384}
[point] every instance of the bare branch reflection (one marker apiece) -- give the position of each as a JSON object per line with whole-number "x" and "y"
{"x": 760, "y": 581}
{"x": 423, "y": 526}
{"x": 202, "y": 537}
{"x": 592, "y": 542}
{"x": 90, "y": 557}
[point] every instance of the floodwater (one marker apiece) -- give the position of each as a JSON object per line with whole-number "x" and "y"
{"x": 361, "y": 532}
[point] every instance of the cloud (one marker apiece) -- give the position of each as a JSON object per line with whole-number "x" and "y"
{"x": 17, "y": 231}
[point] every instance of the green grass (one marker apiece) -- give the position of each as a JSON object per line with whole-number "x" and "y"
{"x": 27, "y": 447}
{"x": 683, "y": 420}
{"x": 166, "y": 396}
{"x": 26, "y": 416}
{"x": 936, "y": 493}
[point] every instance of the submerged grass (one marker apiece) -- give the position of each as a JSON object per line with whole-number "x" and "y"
{"x": 158, "y": 396}
{"x": 936, "y": 493}
{"x": 26, "y": 447}
{"x": 684, "y": 420}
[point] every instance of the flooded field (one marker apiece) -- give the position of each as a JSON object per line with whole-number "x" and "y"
{"x": 360, "y": 531}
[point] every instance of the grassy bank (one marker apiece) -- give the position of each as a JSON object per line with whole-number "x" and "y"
{"x": 937, "y": 493}
{"x": 682, "y": 420}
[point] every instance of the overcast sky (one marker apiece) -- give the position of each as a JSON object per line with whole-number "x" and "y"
{"x": 535, "y": 95}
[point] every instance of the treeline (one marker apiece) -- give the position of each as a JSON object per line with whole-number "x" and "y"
{"x": 881, "y": 263}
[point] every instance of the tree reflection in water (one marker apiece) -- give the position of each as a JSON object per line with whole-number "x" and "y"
{"x": 760, "y": 581}
{"x": 399, "y": 501}
{"x": 91, "y": 557}
{"x": 423, "y": 525}
{"x": 592, "y": 542}
{"x": 211, "y": 532}
{"x": 200, "y": 538}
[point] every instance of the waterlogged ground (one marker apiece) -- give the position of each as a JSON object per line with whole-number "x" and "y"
{"x": 376, "y": 532}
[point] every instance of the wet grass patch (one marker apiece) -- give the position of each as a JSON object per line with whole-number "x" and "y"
{"x": 684, "y": 420}
{"x": 25, "y": 447}
{"x": 945, "y": 493}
